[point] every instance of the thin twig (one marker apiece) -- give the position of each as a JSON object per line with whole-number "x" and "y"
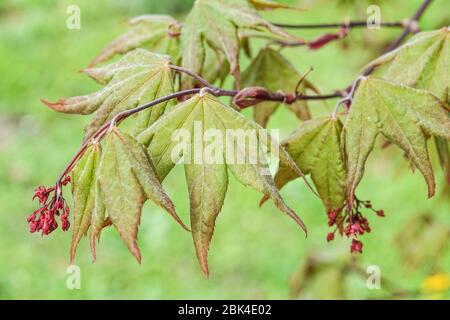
{"x": 350, "y": 24}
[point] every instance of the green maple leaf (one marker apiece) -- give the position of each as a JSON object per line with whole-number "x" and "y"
{"x": 269, "y": 69}
{"x": 216, "y": 23}
{"x": 139, "y": 77}
{"x": 316, "y": 149}
{"x": 208, "y": 180}
{"x": 111, "y": 186}
{"x": 403, "y": 115}
{"x": 156, "y": 33}
{"x": 424, "y": 63}
{"x": 84, "y": 177}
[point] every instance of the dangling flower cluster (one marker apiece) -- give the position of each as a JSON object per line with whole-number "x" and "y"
{"x": 52, "y": 204}
{"x": 351, "y": 223}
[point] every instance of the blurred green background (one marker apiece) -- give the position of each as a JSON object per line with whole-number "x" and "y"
{"x": 256, "y": 252}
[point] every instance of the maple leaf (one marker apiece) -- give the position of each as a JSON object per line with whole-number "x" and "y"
{"x": 424, "y": 63}
{"x": 111, "y": 185}
{"x": 208, "y": 180}
{"x": 316, "y": 149}
{"x": 403, "y": 115}
{"x": 270, "y": 70}
{"x": 156, "y": 33}
{"x": 139, "y": 77}
{"x": 217, "y": 23}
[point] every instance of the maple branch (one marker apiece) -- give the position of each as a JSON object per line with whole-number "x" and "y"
{"x": 410, "y": 27}
{"x": 215, "y": 91}
{"x": 191, "y": 74}
{"x": 349, "y": 24}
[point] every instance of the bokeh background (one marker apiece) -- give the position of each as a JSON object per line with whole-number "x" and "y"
{"x": 256, "y": 253}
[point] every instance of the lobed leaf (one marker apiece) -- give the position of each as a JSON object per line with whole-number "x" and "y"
{"x": 111, "y": 185}
{"x": 216, "y": 23}
{"x": 316, "y": 149}
{"x": 137, "y": 78}
{"x": 424, "y": 63}
{"x": 155, "y": 33}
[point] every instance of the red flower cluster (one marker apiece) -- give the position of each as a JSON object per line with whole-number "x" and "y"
{"x": 351, "y": 223}
{"x": 44, "y": 218}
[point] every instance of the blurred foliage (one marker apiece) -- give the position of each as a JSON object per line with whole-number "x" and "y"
{"x": 40, "y": 58}
{"x": 423, "y": 241}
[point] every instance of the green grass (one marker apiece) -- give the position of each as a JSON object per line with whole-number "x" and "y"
{"x": 255, "y": 250}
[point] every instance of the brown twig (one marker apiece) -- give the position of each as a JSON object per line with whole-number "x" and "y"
{"x": 350, "y": 24}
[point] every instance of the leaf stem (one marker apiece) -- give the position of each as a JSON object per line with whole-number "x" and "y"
{"x": 191, "y": 74}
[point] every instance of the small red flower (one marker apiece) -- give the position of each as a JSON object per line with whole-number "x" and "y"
{"x": 42, "y": 194}
{"x": 44, "y": 218}
{"x": 356, "y": 246}
{"x": 380, "y": 213}
{"x": 330, "y": 237}
{"x": 332, "y": 215}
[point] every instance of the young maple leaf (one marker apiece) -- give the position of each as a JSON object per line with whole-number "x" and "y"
{"x": 316, "y": 149}
{"x": 216, "y": 23}
{"x": 269, "y": 69}
{"x": 111, "y": 185}
{"x": 207, "y": 182}
{"x": 424, "y": 63}
{"x": 403, "y": 115}
{"x": 84, "y": 193}
{"x": 139, "y": 77}
{"x": 156, "y": 33}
